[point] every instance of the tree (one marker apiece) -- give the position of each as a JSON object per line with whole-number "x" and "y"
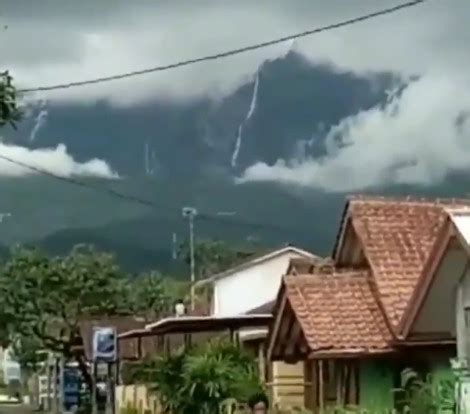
{"x": 213, "y": 256}
{"x": 45, "y": 299}
{"x": 9, "y": 111}
{"x": 149, "y": 296}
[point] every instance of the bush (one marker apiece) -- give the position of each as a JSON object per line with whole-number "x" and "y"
{"x": 426, "y": 396}
{"x": 198, "y": 381}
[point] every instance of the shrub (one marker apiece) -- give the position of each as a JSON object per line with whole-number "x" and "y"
{"x": 199, "y": 380}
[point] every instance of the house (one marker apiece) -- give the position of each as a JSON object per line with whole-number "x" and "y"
{"x": 251, "y": 288}
{"x": 445, "y": 284}
{"x": 170, "y": 334}
{"x": 241, "y": 303}
{"x": 360, "y": 319}
{"x": 261, "y": 274}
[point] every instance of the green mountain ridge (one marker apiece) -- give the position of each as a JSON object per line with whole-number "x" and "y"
{"x": 176, "y": 154}
{"x": 141, "y": 237}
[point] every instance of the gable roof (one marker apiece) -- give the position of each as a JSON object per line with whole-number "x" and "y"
{"x": 397, "y": 236}
{"x": 456, "y": 224}
{"x": 337, "y": 311}
{"x": 258, "y": 260}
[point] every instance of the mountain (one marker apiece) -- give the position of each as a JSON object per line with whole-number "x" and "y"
{"x": 175, "y": 154}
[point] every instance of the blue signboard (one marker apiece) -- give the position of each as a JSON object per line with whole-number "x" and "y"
{"x": 104, "y": 344}
{"x": 71, "y": 388}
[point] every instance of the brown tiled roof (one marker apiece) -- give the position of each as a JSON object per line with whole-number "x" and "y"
{"x": 337, "y": 311}
{"x": 397, "y": 236}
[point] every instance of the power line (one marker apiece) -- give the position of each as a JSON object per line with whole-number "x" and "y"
{"x": 136, "y": 200}
{"x": 228, "y": 53}
{"x": 78, "y": 183}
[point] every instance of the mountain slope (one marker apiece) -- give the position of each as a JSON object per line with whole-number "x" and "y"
{"x": 188, "y": 153}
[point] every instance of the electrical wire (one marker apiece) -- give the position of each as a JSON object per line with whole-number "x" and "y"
{"x": 228, "y": 53}
{"x": 137, "y": 200}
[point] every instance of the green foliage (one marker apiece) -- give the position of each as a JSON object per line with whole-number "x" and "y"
{"x": 9, "y": 112}
{"x": 199, "y": 380}
{"x": 149, "y": 297}
{"x": 428, "y": 396}
{"x": 213, "y": 256}
{"x": 44, "y": 299}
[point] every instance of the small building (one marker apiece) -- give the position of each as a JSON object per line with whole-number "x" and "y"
{"x": 251, "y": 288}
{"x": 241, "y": 301}
{"x": 172, "y": 333}
{"x": 262, "y": 274}
{"x": 359, "y": 320}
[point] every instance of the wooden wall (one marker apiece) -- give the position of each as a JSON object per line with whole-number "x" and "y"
{"x": 286, "y": 384}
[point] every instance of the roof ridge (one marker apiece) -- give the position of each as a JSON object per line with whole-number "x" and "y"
{"x": 409, "y": 199}
{"x": 333, "y": 272}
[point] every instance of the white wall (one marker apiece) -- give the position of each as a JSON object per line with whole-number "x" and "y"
{"x": 437, "y": 314}
{"x": 251, "y": 287}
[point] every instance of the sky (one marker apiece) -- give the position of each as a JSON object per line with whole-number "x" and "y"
{"x": 419, "y": 137}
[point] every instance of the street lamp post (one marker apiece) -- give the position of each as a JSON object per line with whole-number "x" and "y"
{"x": 190, "y": 213}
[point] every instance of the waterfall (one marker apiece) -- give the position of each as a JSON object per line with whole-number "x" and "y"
{"x": 251, "y": 110}
{"x": 39, "y": 121}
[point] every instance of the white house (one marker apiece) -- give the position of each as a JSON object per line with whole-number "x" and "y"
{"x": 252, "y": 287}
{"x": 253, "y": 284}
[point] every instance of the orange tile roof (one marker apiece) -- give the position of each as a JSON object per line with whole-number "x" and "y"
{"x": 397, "y": 236}
{"x": 337, "y": 311}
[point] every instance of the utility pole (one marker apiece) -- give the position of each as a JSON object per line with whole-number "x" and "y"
{"x": 190, "y": 213}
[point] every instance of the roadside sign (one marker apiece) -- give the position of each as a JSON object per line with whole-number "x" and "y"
{"x": 104, "y": 344}
{"x": 71, "y": 388}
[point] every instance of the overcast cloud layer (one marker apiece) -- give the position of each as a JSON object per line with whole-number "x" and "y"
{"x": 420, "y": 137}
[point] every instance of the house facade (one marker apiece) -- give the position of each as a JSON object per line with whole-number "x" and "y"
{"x": 252, "y": 284}
{"x": 252, "y": 287}
{"x": 359, "y": 320}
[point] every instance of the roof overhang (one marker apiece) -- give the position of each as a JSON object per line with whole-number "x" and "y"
{"x": 349, "y": 353}
{"x": 199, "y": 324}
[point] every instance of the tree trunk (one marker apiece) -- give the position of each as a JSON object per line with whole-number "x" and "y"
{"x": 82, "y": 366}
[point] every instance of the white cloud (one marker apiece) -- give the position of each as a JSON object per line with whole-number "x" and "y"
{"x": 134, "y": 35}
{"x": 54, "y": 160}
{"x": 421, "y": 143}
{"x": 420, "y": 136}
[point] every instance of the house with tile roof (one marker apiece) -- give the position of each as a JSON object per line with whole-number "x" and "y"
{"x": 444, "y": 285}
{"x": 361, "y": 318}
